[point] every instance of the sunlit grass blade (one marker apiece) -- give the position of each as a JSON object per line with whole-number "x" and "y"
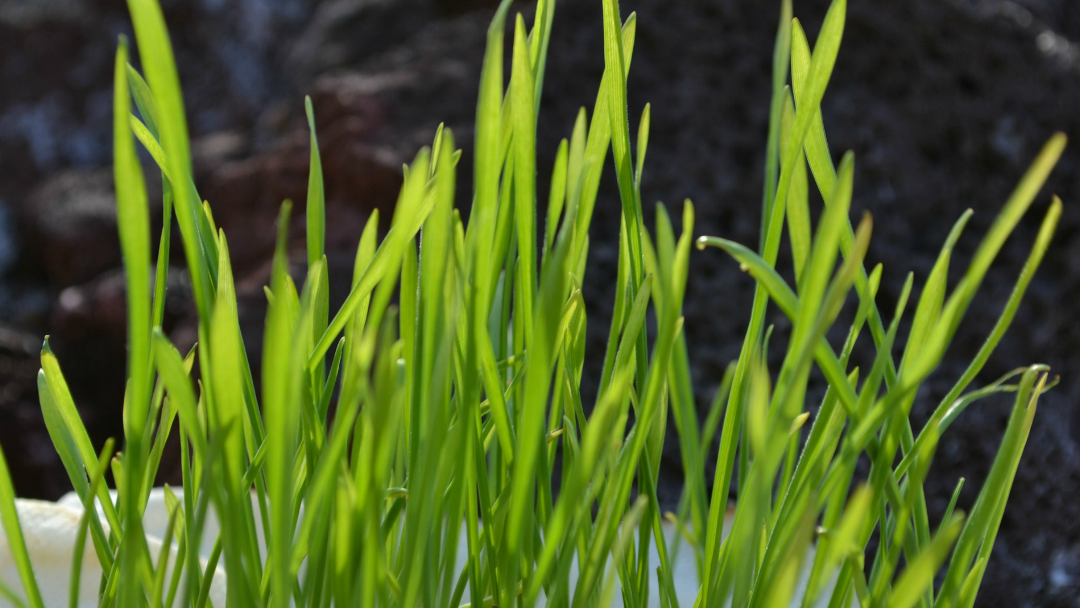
{"x": 933, "y": 294}
{"x": 281, "y": 384}
{"x": 524, "y": 120}
{"x": 133, "y": 221}
{"x": 158, "y": 63}
{"x": 539, "y": 41}
{"x": 412, "y": 208}
{"x": 1038, "y": 251}
{"x": 144, "y": 101}
{"x": 69, "y": 435}
{"x": 539, "y": 366}
{"x": 225, "y": 357}
{"x": 557, "y": 196}
{"x": 781, "y": 53}
{"x": 798, "y": 205}
{"x": 1006, "y": 221}
{"x": 807, "y": 104}
{"x": 816, "y": 145}
{"x": 316, "y": 195}
{"x": 599, "y": 137}
{"x": 616, "y": 70}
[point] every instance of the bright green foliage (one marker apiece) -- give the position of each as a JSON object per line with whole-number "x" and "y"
{"x": 459, "y": 419}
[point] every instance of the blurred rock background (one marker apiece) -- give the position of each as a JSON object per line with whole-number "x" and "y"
{"x": 943, "y": 101}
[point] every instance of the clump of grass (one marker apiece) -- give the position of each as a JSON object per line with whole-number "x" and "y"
{"x": 458, "y": 408}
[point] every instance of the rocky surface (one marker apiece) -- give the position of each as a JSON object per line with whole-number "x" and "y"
{"x": 944, "y": 102}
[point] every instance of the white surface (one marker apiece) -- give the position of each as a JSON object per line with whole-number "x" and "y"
{"x": 50, "y": 530}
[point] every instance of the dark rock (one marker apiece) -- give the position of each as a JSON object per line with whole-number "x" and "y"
{"x": 56, "y": 58}
{"x": 26, "y": 306}
{"x": 89, "y": 329}
{"x": 54, "y": 113}
{"x": 71, "y": 226}
{"x": 213, "y": 150}
{"x": 343, "y": 32}
{"x": 454, "y": 7}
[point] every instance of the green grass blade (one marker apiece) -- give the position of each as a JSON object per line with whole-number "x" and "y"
{"x": 798, "y": 208}
{"x": 13, "y": 531}
{"x": 920, "y": 573}
{"x": 557, "y": 197}
{"x": 991, "y": 244}
{"x": 489, "y": 160}
{"x": 144, "y": 101}
{"x": 977, "y": 537}
{"x": 1038, "y": 251}
{"x": 412, "y": 209}
{"x": 133, "y": 221}
{"x": 58, "y": 405}
{"x": 158, "y": 63}
{"x": 539, "y": 365}
{"x": 816, "y": 144}
{"x": 599, "y": 138}
{"x": 524, "y": 120}
{"x": 539, "y": 41}
{"x": 281, "y": 384}
{"x": 781, "y": 52}
{"x": 89, "y": 513}
{"x": 316, "y": 195}
{"x": 616, "y": 70}
{"x": 225, "y": 358}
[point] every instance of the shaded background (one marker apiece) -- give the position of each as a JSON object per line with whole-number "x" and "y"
{"x": 943, "y": 101}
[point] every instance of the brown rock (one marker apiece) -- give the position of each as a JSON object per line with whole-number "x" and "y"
{"x": 71, "y": 226}
{"x": 358, "y": 177}
{"x": 213, "y": 150}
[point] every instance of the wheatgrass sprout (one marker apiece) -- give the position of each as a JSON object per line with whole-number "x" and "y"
{"x": 462, "y": 467}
